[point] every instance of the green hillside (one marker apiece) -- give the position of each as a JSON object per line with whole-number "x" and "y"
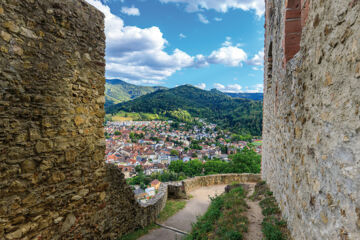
{"x": 252, "y": 96}
{"x": 235, "y": 114}
{"x": 117, "y": 91}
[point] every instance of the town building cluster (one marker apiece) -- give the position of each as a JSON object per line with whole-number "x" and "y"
{"x": 155, "y": 144}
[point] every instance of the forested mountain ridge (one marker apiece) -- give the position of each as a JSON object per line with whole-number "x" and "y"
{"x": 235, "y": 114}
{"x": 117, "y": 91}
{"x": 252, "y": 96}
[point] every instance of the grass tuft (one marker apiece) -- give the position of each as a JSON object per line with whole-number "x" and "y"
{"x": 224, "y": 218}
{"x": 273, "y": 227}
{"x": 171, "y": 207}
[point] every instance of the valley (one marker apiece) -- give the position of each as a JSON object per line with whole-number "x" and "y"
{"x": 186, "y": 103}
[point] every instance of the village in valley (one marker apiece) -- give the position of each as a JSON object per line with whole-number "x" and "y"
{"x": 152, "y": 145}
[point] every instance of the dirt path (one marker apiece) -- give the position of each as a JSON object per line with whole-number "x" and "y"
{"x": 197, "y": 206}
{"x": 182, "y": 220}
{"x": 255, "y": 217}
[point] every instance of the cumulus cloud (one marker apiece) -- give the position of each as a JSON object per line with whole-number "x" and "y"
{"x": 228, "y": 55}
{"x": 131, "y": 11}
{"x": 202, "y": 18}
{"x": 236, "y": 88}
{"x": 258, "y": 88}
{"x": 200, "y": 61}
{"x": 222, "y": 5}
{"x": 218, "y": 19}
{"x": 258, "y": 59}
{"x": 138, "y": 55}
{"x": 201, "y": 86}
{"x": 231, "y": 88}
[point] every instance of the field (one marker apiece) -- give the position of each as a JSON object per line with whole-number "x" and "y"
{"x": 126, "y": 116}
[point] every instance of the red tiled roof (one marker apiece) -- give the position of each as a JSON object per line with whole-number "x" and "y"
{"x": 155, "y": 182}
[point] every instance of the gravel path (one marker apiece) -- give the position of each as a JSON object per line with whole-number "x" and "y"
{"x": 182, "y": 220}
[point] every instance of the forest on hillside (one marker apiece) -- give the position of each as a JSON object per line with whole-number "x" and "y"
{"x": 237, "y": 115}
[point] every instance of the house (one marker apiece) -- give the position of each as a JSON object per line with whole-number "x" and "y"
{"x": 139, "y": 193}
{"x": 150, "y": 192}
{"x": 155, "y": 184}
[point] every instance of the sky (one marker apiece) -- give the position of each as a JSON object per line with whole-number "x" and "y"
{"x": 207, "y": 43}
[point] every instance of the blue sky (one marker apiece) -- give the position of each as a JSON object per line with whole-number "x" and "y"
{"x": 206, "y": 43}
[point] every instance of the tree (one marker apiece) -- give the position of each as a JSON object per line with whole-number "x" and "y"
{"x": 216, "y": 166}
{"x": 193, "y": 168}
{"x": 117, "y": 133}
{"x": 224, "y": 149}
{"x": 174, "y": 153}
{"x": 247, "y": 161}
{"x": 139, "y": 169}
{"x": 177, "y": 166}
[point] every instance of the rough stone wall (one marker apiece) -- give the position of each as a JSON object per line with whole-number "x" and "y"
{"x": 121, "y": 212}
{"x": 216, "y": 179}
{"x": 53, "y": 181}
{"x": 311, "y": 150}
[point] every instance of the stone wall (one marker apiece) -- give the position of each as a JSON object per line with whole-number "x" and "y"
{"x": 53, "y": 181}
{"x": 181, "y": 189}
{"x": 311, "y": 150}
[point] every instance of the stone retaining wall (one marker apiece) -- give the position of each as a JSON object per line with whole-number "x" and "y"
{"x": 182, "y": 188}
{"x": 153, "y": 207}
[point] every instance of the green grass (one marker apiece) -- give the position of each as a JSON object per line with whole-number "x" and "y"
{"x": 273, "y": 227}
{"x": 138, "y": 233}
{"x": 134, "y": 116}
{"x": 224, "y": 219}
{"x": 171, "y": 207}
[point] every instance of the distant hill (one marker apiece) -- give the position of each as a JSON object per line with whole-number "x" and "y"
{"x": 252, "y": 96}
{"x": 236, "y": 114}
{"x": 117, "y": 91}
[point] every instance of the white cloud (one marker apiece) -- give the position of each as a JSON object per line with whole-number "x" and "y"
{"x": 201, "y": 86}
{"x": 200, "y": 61}
{"x": 218, "y": 19}
{"x": 258, "y": 59}
{"x": 135, "y": 54}
{"x": 138, "y": 54}
{"x": 236, "y": 88}
{"x": 258, "y": 88}
{"x": 227, "y": 42}
{"x": 222, "y": 5}
{"x": 181, "y": 35}
{"x": 131, "y": 11}
{"x": 202, "y": 18}
{"x": 232, "y": 88}
{"x": 228, "y": 55}
{"x": 257, "y": 68}
{"x": 219, "y": 86}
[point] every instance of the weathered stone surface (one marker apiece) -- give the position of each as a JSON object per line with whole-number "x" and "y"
{"x": 6, "y": 36}
{"x": 28, "y": 166}
{"x": 68, "y": 223}
{"x": 311, "y": 151}
{"x": 41, "y": 146}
